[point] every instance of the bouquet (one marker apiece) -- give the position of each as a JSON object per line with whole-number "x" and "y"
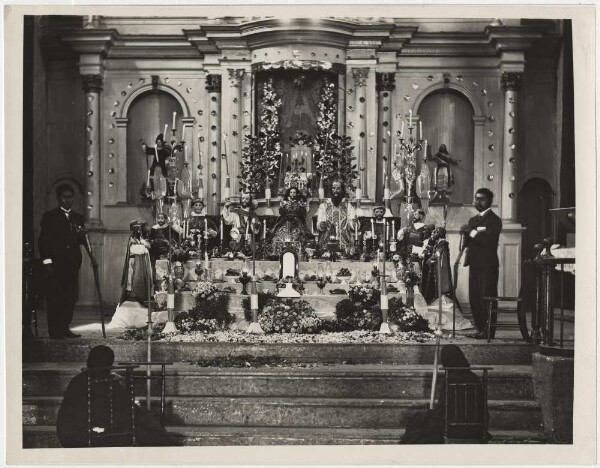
{"x": 289, "y": 316}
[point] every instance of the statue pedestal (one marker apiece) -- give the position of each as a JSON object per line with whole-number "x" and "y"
{"x": 288, "y": 291}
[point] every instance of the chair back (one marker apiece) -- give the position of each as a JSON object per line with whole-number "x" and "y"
{"x": 466, "y": 411}
{"x": 110, "y": 407}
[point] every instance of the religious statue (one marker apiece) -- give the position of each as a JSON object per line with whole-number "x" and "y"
{"x": 137, "y": 270}
{"x": 412, "y": 238}
{"x": 160, "y": 153}
{"x": 238, "y": 220}
{"x": 443, "y": 177}
{"x": 201, "y": 228}
{"x": 162, "y": 235}
{"x": 373, "y": 232}
{"x": 336, "y": 218}
{"x": 291, "y": 224}
{"x": 434, "y": 246}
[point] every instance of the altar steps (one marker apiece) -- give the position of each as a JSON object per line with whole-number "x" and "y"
{"x": 45, "y": 436}
{"x": 340, "y": 404}
{"x": 478, "y": 352}
{"x": 506, "y": 382}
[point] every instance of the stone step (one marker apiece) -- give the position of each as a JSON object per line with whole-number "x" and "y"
{"x": 299, "y": 412}
{"x": 335, "y": 381}
{"x": 45, "y": 436}
{"x": 479, "y": 352}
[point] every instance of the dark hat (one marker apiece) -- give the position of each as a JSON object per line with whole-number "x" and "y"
{"x": 379, "y": 207}
{"x": 198, "y": 200}
{"x": 160, "y": 137}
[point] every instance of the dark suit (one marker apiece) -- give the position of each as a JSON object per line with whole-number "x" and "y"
{"x": 60, "y": 243}
{"x": 482, "y": 260}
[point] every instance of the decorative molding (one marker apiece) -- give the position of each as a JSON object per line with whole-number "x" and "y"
{"x": 511, "y": 81}
{"x": 337, "y": 68}
{"x": 360, "y": 76}
{"x": 92, "y": 83}
{"x": 155, "y": 81}
{"x": 385, "y": 81}
{"x": 235, "y": 76}
{"x": 213, "y": 83}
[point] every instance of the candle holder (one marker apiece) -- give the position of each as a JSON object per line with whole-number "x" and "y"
{"x": 244, "y": 280}
{"x": 332, "y": 247}
{"x": 321, "y": 285}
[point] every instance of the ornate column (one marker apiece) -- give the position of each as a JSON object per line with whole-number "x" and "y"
{"x": 360, "y": 76}
{"x": 92, "y": 86}
{"x": 232, "y": 126}
{"x": 511, "y": 84}
{"x": 386, "y": 82}
{"x": 213, "y": 191}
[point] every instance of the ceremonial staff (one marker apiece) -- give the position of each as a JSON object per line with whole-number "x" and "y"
{"x": 88, "y": 248}
{"x": 438, "y": 330}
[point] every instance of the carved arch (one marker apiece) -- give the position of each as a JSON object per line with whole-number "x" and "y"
{"x": 149, "y": 87}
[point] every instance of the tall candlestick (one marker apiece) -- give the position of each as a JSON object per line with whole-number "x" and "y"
{"x": 402, "y": 129}
{"x": 247, "y": 227}
{"x": 372, "y": 228}
{"x": 268, "y": 193}
{"x": 205, "y": 227}
{"x": 393, "y": 229}
{"x": 356, "y": 229}
{"x": 420, "y": 130}
{"x": 264, "y": 228}
{"x": 166, "y": 130}
{"x": 410, "y": 117}
{"x": 222, "y": 232}
{"x": 174, "y": 116}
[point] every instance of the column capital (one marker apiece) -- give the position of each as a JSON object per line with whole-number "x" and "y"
{"x": 92, "y": 83}
{"x": 386, "y": 81}
{"x": 213, "y": 83}
{"x": 511, "y": 81}
{"x": 360, "y": 76}
{"x": 235, "y": 76}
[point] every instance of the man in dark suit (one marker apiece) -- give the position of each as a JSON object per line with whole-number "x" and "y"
{"x": 59, "y": 245}
{"x": 481, "y": 236}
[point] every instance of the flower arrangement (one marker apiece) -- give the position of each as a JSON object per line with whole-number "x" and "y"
{"x": 351, "y": 315}
{"x": 406, "y": 317}
{"x": 289, "y": 316}
{"x": 332, "y": 152}
{"x": 409, "y": 277}
{"x": 210, "y": 312}
{"x": 364, "y": 295}
{"x": 261, "y": 154}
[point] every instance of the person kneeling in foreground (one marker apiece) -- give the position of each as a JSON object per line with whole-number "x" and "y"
{"x": 72, "y": 420}
{"x": 427, "y": 427}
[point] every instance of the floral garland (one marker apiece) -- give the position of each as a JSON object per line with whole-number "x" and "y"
{"x": 333, "y": 152}
{"x": 261, "y": 154}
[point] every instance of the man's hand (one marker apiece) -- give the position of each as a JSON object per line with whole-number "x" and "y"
{"x": 48, "y": 270}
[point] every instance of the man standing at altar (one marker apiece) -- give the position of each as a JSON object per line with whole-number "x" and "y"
{"x": 239, "y": 221}
{"x": 59, "y": 244}
{"x": 481, "y": 236}
{"x": 336, "y": 217}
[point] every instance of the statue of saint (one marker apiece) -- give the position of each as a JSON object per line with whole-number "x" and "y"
{"x": 412, "y": 238}
{"x": 137, "y": 270}
{"x": 238, "y": 219}
{"x": 162, "y": 235}
{"x": 292, "y": 218}
{"x": 336, "y": 218}
{"x": 443, "y": 178}
{"x": 202, "y": 227}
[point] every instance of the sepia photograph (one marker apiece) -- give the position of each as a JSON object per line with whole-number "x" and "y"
{"x": 334, "y": 229}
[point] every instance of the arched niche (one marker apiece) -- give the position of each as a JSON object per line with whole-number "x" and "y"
{"x": 448, "y": 117}
{"x": 146, "y": 117}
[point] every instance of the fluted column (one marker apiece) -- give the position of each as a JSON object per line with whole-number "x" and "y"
{"x": 511, "y": 84}
{"x": 213, "y": 86}
{"x": 92, "y": 86}
{"x": 386, "y": 82}
{"x": 232, "y": 126}
{"x": 360, "y": 76}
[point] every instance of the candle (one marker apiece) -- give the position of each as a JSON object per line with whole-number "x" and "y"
{"x": 372, "y": 228}
{"x": 387, "y": 229}
{"x": 165, "y": 132}
{"x": 402, "y": 129}
{"x": 393, "y": 229}
{"x": 222, "y": 232}
{"x": 247, "y": 227}
{"x": 174, "y": 116}
{"x": 264, "y": 228}
{"x": 356, "y": 229}
{"x": 268, "y": 193}
{"x": 410, "y": 117}
{"x": 420, "y": 130}
{"x": 425, "y": 150}
{"x": 205, "y": 227}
